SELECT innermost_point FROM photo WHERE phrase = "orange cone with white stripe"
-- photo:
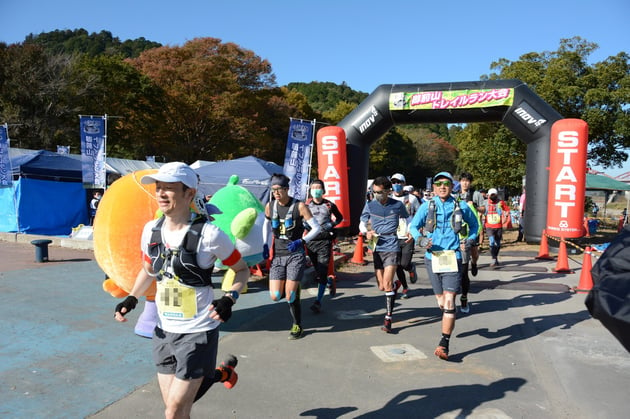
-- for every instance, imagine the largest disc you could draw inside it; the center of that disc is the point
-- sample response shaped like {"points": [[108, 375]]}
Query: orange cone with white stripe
{"points": [[586, 280], [562, 265]]}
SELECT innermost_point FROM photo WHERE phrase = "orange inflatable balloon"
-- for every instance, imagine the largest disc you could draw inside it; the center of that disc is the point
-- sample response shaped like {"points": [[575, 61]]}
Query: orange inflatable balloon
{"points": [[122, 213]]}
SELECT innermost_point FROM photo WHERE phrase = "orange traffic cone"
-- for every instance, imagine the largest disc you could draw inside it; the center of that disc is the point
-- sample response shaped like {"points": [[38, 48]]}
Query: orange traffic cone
{"points": [[586, 280], [562, 265], [543, 253], [357, 258], [587, 233]]}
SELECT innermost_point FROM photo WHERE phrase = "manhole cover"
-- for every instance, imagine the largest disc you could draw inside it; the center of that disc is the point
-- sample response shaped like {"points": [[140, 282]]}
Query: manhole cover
{"points": [[397, 353]]}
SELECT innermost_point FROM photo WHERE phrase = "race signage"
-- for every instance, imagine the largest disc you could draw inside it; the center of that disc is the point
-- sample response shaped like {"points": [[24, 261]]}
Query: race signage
{"points": [[567, 178]]}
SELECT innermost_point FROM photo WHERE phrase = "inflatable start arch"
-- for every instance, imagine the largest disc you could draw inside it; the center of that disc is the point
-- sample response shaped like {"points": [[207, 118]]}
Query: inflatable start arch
{"points": [[508, 101]]}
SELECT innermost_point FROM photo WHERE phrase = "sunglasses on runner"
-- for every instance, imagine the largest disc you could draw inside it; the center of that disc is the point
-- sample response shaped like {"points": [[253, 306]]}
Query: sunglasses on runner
{"points": [[442, 183]]}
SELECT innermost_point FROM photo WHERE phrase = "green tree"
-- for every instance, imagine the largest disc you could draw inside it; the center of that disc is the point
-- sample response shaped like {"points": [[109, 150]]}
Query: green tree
{"points": [[325, 96], [33, 95], [392, 153], [492, 154], [598, 94], [216, 94], [433, 148], [106, 84], [81, 42]]}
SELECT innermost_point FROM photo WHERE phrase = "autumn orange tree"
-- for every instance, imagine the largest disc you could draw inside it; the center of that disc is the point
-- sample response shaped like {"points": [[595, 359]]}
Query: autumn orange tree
{"points": [[220, 100]]}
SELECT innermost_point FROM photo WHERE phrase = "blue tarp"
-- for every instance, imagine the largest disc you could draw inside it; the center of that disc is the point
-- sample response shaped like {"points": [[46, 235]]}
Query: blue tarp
{"points": [[43, 207], [47, 196], [254, 175]]}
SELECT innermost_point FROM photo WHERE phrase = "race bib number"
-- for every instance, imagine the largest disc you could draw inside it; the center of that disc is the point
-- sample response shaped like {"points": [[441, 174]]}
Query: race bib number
{"points": [[494, 219], [176, 300], [443, 261]]}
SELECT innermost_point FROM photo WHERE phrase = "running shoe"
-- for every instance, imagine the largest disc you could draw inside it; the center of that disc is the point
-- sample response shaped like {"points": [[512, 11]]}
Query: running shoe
{"points": [[441, 352], [316, 307], [413, 274], [464, 306], [473, 269], [229, 377], [296, 332], [404, 295], [387, 326]]}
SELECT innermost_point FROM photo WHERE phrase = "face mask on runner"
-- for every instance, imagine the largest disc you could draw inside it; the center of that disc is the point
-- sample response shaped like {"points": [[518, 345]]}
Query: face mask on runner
{"points": [[317, 193]]}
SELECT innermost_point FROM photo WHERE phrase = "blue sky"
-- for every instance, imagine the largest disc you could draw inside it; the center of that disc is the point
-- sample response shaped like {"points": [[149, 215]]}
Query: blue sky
{"points": [[363, 43]]}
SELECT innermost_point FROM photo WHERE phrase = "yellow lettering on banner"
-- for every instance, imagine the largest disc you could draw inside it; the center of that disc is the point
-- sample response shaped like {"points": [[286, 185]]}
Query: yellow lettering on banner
{"points": [[443, 261], [175, 299]]}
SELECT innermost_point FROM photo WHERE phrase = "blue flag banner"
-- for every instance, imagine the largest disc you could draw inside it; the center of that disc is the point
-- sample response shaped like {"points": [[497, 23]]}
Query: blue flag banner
{"points": [[6, 178], [93, 151], [297, 158]]}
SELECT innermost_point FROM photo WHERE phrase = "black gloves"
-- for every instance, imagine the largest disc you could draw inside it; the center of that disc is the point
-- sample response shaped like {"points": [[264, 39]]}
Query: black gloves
{"points": [[265, 254], [128, 303], [223, 307]]}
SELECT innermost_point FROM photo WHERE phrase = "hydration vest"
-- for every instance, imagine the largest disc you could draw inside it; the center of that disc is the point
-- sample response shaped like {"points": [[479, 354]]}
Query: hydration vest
{"points": [[456, 217], [183, 259], [289, 220]]}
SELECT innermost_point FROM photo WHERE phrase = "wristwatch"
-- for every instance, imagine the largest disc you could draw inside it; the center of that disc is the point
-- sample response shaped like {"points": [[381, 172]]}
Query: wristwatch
{"points": [[233, 295]]}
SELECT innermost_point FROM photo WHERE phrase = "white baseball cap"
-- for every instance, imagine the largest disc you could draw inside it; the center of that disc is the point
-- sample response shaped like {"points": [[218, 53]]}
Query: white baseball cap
{"points": [[399, 176], [492, 191], [173, 172]]}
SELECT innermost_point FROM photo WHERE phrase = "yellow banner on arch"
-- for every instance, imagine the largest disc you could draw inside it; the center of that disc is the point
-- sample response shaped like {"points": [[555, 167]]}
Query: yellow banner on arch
{"points": [[451, 99]]}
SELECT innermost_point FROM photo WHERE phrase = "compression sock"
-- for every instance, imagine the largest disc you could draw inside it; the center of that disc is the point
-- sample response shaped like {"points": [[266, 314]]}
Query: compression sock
{"points": [[445, 340], [465, 280], [207, 382], [224, 374], [403, 281], [390, 297], [321, 289], [296, 308]]}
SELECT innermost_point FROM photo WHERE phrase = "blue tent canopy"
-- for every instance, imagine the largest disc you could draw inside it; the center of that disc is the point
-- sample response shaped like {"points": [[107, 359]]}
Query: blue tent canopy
{"points": [[47, 196], [45, 164]]}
